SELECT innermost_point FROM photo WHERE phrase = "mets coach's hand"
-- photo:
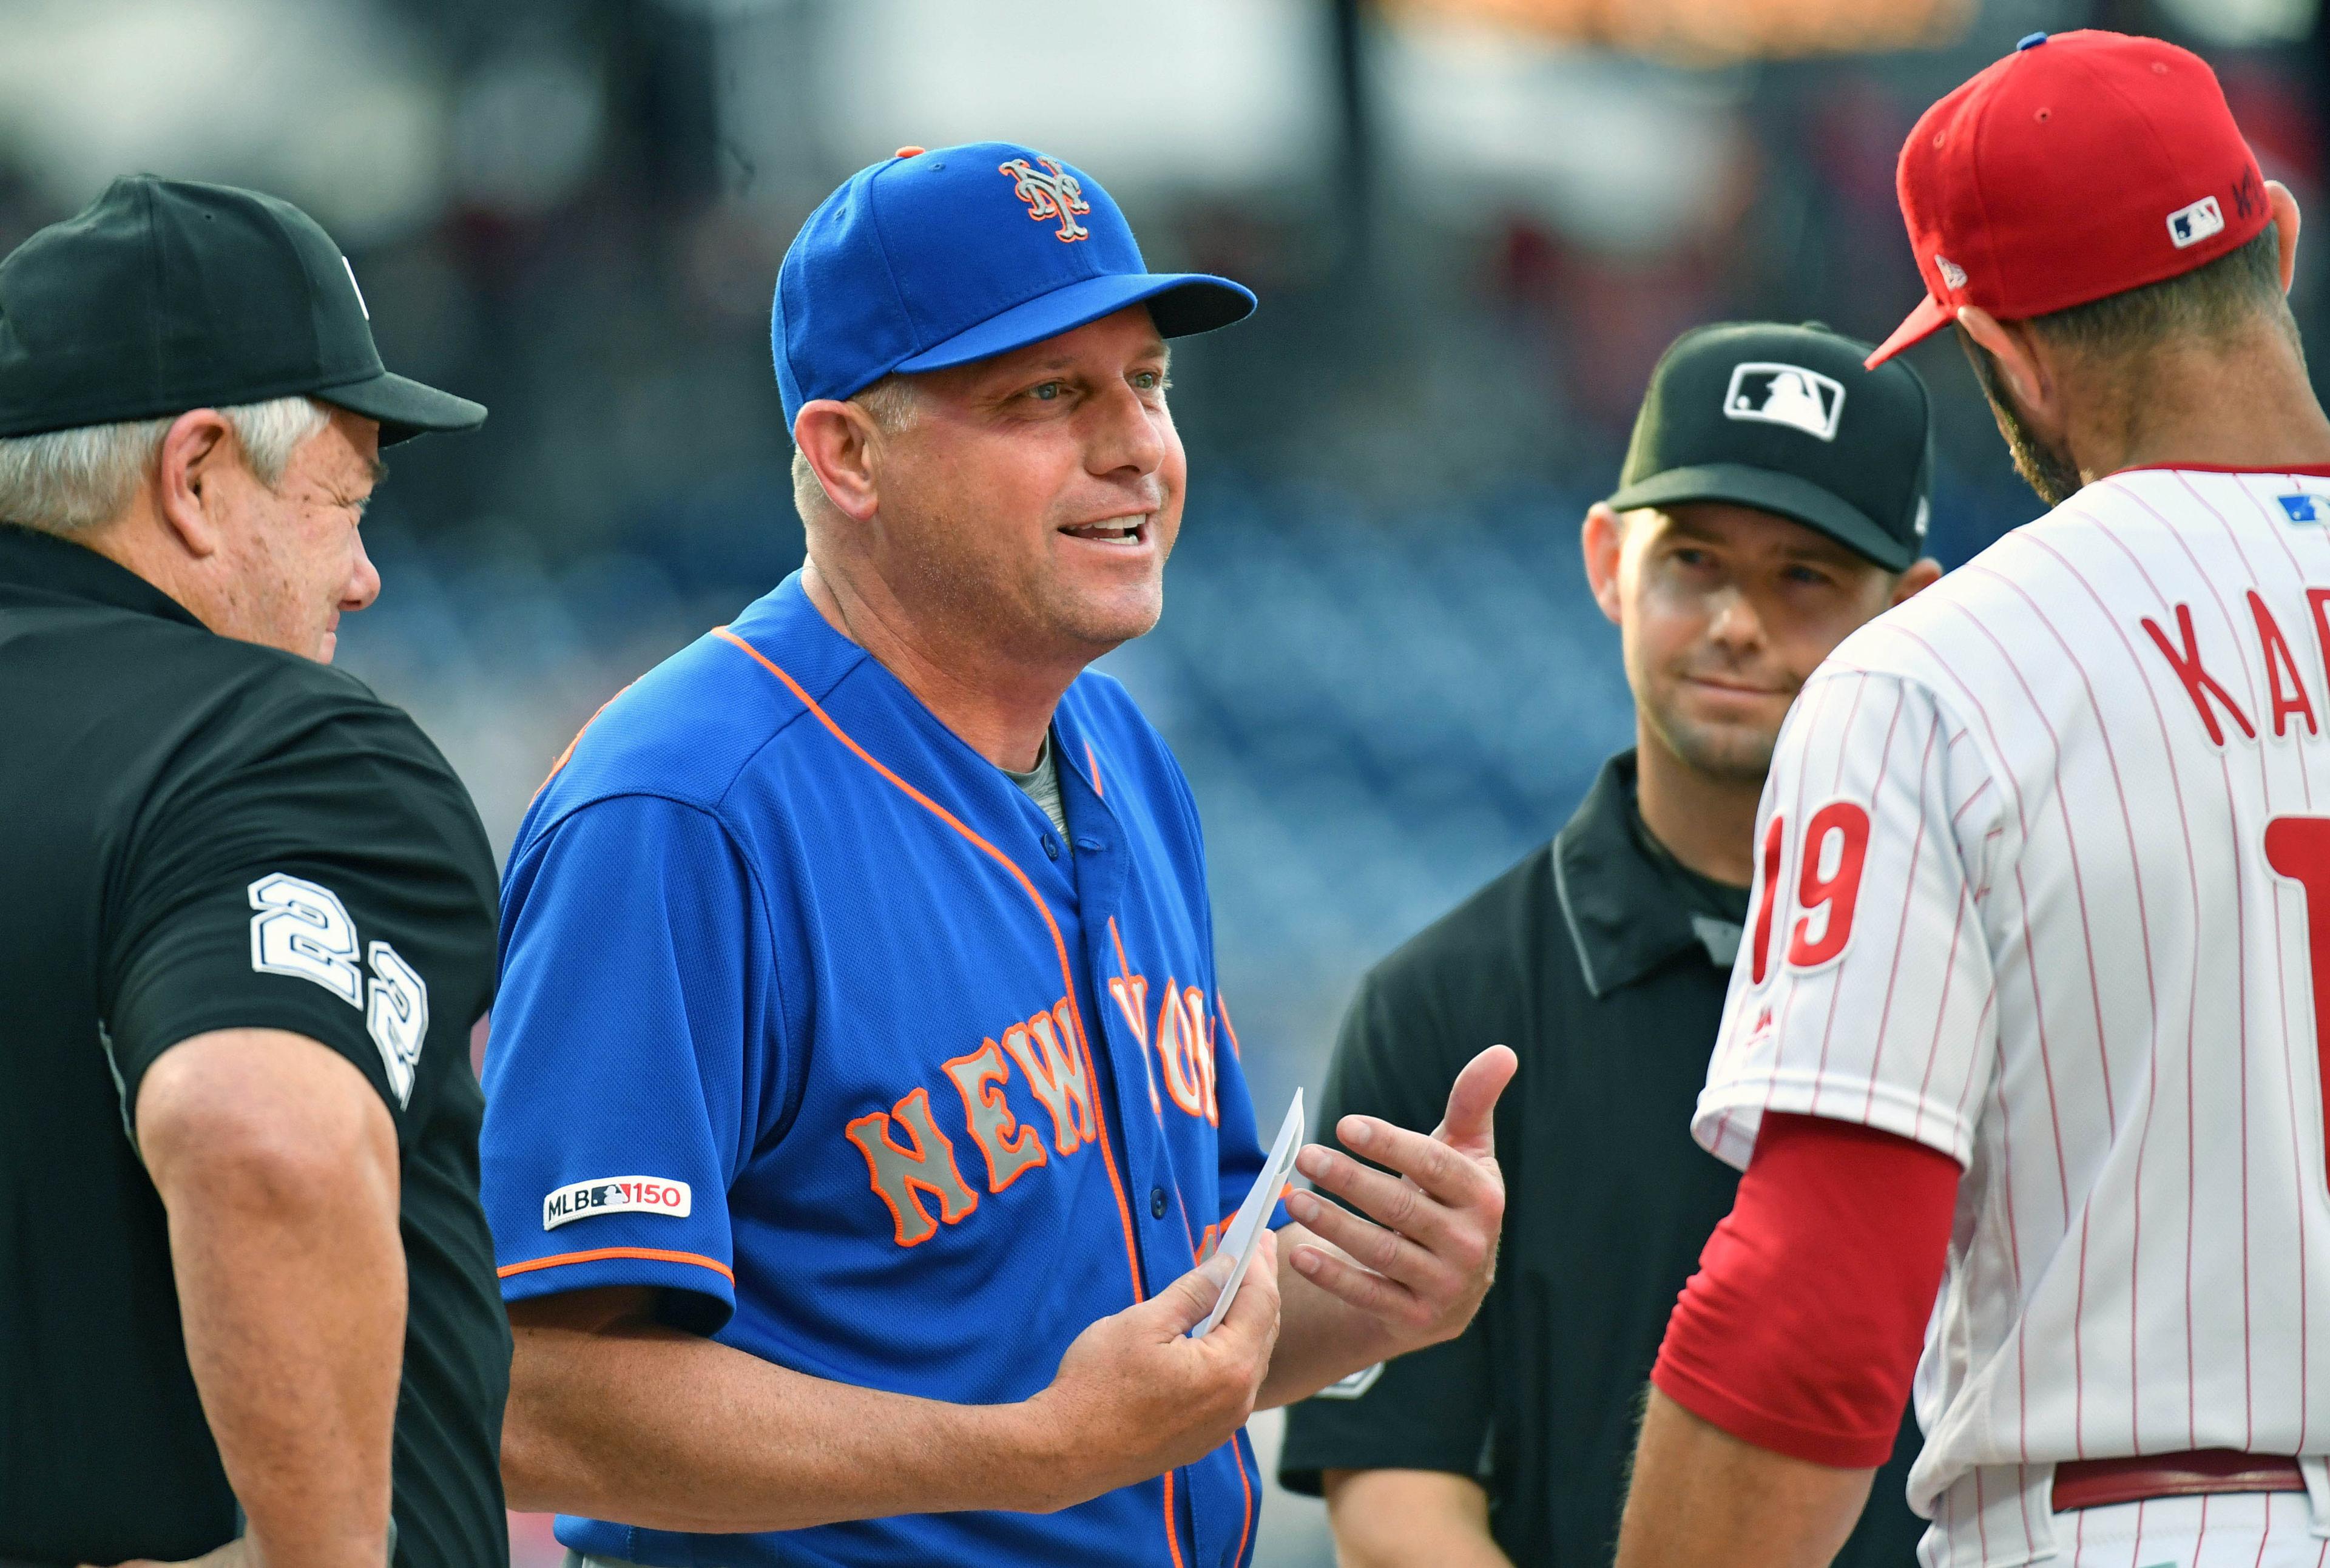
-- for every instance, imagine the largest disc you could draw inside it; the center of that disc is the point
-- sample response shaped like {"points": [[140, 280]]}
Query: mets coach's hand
{"points": [[1136, 1396], [1410, 1268]]}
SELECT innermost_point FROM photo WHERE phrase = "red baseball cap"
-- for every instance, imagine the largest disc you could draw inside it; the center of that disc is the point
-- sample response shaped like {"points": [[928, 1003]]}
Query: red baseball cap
{"points": [[2079, 165]]}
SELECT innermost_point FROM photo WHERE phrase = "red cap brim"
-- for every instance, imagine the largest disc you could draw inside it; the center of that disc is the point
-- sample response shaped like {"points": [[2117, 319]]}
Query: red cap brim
{"points": [[1930, 317]]}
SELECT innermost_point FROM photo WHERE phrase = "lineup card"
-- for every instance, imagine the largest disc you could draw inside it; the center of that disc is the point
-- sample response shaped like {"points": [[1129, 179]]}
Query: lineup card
{"points": [[1244, 1234]]}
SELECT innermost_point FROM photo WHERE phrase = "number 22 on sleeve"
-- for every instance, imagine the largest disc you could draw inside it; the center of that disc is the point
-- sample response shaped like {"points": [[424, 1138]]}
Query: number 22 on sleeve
{"points": [[1827, 891]]}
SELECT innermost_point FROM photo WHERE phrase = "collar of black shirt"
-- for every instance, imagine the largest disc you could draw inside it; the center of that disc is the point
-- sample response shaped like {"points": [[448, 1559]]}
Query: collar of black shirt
{"points": [[54, 566], [1622, 909]]}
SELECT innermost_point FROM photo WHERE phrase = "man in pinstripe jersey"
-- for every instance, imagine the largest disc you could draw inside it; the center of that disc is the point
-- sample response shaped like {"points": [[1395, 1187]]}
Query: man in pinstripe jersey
{"points": [[2033, 1008]]}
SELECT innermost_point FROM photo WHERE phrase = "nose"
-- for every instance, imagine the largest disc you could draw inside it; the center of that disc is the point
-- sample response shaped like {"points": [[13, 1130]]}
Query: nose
{"points": [[364, 580], [1124, 434], [1735, 623]]}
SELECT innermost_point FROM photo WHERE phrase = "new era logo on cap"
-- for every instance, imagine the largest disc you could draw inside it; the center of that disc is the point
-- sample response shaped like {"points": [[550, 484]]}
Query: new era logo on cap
{"points": [[1785, 395], [2190, 225]]}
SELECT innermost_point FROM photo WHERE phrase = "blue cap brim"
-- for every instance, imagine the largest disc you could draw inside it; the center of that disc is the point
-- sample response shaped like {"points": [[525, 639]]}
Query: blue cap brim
{"points": [[1180, 303]]}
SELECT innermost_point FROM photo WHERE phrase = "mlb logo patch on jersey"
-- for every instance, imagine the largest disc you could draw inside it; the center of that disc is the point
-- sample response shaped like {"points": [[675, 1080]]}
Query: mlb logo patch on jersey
{"points": [[616, 1195], [1787, 394], [2303, 508], [2190, 225]]}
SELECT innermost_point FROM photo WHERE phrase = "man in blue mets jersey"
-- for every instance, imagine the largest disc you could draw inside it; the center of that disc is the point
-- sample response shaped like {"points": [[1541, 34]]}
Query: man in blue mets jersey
{"points": [[862, 1109]]}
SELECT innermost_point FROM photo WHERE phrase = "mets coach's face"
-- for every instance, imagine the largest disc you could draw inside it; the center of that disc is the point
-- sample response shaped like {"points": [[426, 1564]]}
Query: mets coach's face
{"points": [[1039, 492]]}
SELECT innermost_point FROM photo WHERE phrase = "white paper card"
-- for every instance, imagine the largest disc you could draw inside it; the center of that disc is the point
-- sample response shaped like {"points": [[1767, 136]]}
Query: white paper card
{"points": [[1244, 1234]]}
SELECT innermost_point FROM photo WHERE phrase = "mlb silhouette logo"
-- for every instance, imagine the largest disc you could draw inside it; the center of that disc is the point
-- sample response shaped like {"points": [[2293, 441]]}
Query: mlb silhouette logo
{"points": [[2304, 508], [1787, 394], [2190, 225]]}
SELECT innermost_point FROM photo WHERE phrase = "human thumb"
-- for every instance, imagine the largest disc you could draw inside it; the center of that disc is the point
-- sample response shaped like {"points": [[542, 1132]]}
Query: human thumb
{"points": [[1183, 1305]]}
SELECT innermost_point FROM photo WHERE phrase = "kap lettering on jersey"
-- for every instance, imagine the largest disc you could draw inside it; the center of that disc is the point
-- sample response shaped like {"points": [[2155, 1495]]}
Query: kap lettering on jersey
{"points": [[2285, 688], [912, 1162]]}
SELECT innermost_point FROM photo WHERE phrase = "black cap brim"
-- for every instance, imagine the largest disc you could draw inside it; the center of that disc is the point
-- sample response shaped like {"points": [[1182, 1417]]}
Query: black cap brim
{"points": [[404, 407], [1768, 491]]}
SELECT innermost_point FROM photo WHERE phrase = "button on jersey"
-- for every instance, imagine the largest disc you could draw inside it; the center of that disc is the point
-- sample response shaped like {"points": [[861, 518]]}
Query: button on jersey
{"points": [[2043, 867]]}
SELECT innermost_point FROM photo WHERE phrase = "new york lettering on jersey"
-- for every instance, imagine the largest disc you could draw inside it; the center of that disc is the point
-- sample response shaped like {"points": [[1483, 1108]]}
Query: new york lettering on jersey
{"points": [[2044, 881], [988, 1093]]}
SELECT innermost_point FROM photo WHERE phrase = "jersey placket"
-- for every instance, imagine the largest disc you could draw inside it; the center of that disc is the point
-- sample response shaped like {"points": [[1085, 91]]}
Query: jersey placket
{"points": [[1163, 1229]]}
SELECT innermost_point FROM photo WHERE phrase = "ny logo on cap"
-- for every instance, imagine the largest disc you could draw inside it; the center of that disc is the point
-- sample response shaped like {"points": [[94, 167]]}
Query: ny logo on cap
{"points": [[1049, 192], [1785, 395], [2190, 225]]}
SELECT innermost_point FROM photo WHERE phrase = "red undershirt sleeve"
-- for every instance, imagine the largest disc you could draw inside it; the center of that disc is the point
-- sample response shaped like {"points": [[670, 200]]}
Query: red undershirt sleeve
{"points": [[1800, 1332]]}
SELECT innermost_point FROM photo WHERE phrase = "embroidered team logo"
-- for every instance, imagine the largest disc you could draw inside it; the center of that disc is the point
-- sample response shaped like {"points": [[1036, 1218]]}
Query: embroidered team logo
{"points": [[2190, 225], [1785, 395], [1051, 192]]}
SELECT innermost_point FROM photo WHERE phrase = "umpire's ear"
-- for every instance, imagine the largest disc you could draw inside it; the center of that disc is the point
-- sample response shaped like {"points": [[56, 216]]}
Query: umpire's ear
{"points": [[1603, 538]]}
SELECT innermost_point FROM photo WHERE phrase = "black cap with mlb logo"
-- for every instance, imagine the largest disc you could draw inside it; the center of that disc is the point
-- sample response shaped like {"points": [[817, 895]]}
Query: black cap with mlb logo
{"points": [[1786, 420], [163, 296]]}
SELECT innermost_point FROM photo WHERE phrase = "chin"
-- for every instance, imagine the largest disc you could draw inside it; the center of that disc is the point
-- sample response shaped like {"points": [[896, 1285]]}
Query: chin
{"points": [[1108, 622], [1723, 751]]}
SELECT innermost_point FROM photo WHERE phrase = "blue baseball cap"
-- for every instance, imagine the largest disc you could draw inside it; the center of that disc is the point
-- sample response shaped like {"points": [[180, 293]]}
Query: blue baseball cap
{"points": [[940, 258]]}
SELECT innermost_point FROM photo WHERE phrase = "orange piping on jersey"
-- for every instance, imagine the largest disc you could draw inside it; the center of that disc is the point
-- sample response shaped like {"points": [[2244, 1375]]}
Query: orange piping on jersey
{"points": [[1222, 1009], [1247, 1486], [567, 756], [652, 1254], [1092, 766], [1172, 1528], [1059, 944]]}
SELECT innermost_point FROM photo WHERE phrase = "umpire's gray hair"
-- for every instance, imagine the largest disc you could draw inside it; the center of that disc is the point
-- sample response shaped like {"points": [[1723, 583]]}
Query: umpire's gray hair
{"points": [[892, 401], [68, 481]]}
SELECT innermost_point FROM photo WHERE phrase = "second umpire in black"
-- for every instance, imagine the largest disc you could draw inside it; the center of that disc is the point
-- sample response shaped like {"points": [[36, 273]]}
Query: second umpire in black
{"points": [[247, 1299], [1774, 500]]}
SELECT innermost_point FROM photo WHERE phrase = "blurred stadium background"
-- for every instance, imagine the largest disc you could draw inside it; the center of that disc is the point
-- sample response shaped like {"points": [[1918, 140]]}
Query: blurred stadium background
{"points": [[1473, 224]]}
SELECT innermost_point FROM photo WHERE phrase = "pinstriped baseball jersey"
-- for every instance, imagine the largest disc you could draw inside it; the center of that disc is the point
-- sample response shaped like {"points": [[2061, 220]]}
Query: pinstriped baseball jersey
{"points": [[2043, 881]]}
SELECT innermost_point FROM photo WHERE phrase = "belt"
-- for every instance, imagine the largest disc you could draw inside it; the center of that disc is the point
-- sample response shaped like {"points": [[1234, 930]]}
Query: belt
{"points": [[2099, 1483]]}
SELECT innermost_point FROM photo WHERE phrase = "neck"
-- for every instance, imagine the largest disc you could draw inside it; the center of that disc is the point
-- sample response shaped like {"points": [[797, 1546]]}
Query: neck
{"points": [[999, 705], [1708, 824], [2247, 405]]}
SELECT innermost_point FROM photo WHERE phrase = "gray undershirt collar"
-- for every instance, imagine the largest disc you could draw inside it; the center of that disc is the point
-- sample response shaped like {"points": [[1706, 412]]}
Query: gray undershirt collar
{"points": [[1042, 783]]}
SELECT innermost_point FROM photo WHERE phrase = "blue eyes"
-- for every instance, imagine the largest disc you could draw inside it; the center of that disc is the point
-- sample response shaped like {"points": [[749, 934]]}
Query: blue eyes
{"points": [[1052, 391]]}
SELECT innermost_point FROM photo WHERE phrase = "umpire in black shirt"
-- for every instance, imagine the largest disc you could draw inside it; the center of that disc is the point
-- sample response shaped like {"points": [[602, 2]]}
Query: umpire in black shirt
{"points": [[246, 922], [1774, 498]]}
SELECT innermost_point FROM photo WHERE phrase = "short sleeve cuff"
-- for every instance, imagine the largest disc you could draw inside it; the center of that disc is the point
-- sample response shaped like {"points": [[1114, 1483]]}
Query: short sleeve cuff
{"points": [[293, 1007], [1304, 1463], [710, 1279], [1730, 1114]]}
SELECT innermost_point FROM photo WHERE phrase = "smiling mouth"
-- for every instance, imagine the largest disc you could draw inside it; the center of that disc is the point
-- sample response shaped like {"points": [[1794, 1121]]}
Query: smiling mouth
{"points": [[1112, 531], [1732, 687]]}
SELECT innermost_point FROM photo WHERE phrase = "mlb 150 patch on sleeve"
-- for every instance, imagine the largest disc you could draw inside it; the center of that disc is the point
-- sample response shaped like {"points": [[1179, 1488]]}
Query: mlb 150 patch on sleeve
{"points": [[615, 1195]]}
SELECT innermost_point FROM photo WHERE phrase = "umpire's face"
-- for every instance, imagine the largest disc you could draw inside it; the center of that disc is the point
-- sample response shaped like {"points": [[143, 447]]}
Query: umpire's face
{"points": [[1029, 501], [278, 564], [1724, 611]]}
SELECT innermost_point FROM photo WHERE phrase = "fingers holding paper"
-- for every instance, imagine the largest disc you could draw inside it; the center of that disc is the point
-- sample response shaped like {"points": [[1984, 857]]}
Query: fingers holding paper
{"points": [[1420, 1252]]}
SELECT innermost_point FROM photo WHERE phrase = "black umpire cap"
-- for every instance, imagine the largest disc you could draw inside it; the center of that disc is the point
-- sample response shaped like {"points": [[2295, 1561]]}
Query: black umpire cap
{"points": [[1786, 420], [167, 295]]}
